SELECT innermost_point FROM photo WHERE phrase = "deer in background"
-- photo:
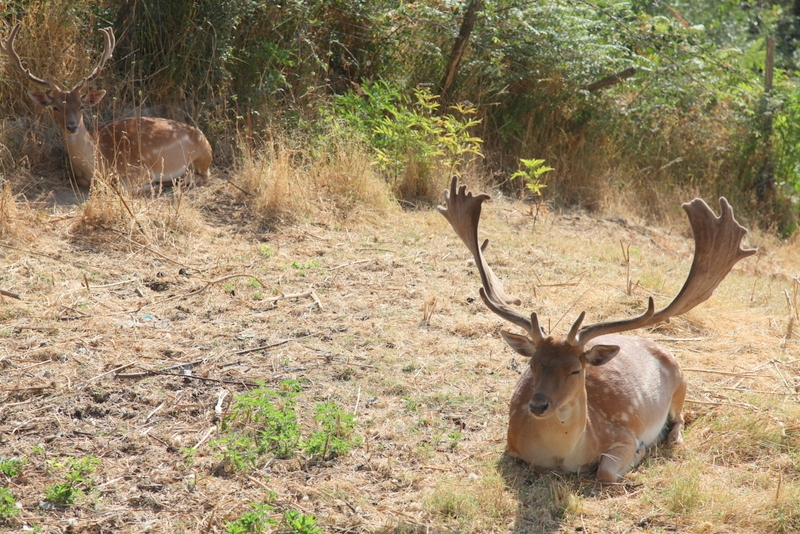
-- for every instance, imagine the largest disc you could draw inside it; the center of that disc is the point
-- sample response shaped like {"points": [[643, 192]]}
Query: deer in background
{"points": [[163, 150], [596, 399]]}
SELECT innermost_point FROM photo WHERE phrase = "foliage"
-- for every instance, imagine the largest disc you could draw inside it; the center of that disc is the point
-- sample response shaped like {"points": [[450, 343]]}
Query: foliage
{"points": [[264, 421], [335, 435], [532, 173], [298, 523], [692, 118], [253, 522], [8, 505], [413, 142], [77, 479], [273, 414], [11, 467]]}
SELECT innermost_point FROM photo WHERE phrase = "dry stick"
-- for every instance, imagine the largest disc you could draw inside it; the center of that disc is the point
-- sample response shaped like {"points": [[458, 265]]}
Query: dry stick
{"points": [[218, 280], [276, 344], [205, 437], [120, 368], [712, 403], [149, 372], [349, 264], [48, 256], [145, 247], [263, 347], [10, 294], [748, 374], [218, 407], [103, 286], [626, 255], [192, 377]]}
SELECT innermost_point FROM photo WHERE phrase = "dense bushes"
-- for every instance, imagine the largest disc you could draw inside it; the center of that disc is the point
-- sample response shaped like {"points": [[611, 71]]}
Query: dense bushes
{"points": [[694, 119]]}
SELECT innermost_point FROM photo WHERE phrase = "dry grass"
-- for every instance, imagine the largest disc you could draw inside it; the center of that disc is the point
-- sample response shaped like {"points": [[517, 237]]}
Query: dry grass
{"points": [[285, 180], [429, 383]]}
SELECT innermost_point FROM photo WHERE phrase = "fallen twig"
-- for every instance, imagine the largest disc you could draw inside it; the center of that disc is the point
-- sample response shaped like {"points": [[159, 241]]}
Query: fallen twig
{"points": [[729, 403], [206, 286], [263, 347], [349, 264], [151, 372], [205, 437], [191, 377], [218, 408], [10, 294], [746, 374]]}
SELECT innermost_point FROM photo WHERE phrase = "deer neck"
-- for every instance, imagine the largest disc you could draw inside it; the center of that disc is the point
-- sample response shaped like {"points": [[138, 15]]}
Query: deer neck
{"points": [[82, 151]]}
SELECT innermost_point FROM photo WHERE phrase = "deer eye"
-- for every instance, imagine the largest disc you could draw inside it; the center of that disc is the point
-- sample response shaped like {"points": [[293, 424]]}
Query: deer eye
{"points": [[573, 373]]}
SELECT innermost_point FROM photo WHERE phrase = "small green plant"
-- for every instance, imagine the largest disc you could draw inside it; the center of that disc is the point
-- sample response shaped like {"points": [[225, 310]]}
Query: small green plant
{"points": [[62, 493], [533, 170], [38, 450], [189, 453], [77, 479], [11, 467], [253, 522], [8, 505], [335, 436], [261, 421], [298, 523], [303, 267], [266, 251], [455, 438], [411, 404]]}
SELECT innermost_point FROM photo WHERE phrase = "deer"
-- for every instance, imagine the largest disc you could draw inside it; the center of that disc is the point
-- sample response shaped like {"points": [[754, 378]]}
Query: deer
{"points": [[596, 400], [165, 151]]}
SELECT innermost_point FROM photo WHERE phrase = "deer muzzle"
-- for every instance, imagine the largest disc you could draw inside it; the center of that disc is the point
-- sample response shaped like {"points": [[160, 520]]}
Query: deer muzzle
{"points": [[539, 405]]}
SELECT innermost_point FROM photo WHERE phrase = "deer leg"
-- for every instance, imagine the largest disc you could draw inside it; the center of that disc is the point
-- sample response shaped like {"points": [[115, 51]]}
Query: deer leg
{"points": [[676, 416], [617, 460]]}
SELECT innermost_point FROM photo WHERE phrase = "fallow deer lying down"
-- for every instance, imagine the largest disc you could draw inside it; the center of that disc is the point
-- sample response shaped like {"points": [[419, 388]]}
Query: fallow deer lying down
{"points": [[596, 399], [160, 150]]}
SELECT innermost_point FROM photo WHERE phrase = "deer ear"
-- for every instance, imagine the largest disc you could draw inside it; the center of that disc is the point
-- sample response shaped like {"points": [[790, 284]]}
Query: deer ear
{"points": [[601, 354], [521, 344], [93, 97], [43, 99]]}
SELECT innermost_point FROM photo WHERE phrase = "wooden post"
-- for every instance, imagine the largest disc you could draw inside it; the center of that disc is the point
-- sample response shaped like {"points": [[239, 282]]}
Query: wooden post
{"points": [[458, 50]]}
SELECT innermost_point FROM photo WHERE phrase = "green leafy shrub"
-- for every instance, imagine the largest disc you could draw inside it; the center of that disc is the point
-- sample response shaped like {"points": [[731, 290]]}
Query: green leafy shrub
{"points": [[8, 505], [77, 477], [298, 523], [335, 434], [253, 522], [415, 146], [11, 467]]}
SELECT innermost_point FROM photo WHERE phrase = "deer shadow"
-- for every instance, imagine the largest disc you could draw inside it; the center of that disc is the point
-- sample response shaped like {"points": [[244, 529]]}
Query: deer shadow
{"points": [[546, 499]]}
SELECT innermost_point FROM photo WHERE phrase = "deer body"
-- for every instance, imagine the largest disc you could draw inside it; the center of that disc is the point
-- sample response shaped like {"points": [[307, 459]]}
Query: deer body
{"points": [[609, 423], [160, 150], [595, 398]]}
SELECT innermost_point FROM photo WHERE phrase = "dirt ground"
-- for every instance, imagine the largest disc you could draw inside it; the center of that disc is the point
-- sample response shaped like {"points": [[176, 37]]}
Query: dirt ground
{"points": [[130, 346]]}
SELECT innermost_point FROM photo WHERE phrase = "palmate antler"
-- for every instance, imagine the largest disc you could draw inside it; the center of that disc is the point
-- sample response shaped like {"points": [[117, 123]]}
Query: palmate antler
{"points": [[717, 249], [108, 50]]}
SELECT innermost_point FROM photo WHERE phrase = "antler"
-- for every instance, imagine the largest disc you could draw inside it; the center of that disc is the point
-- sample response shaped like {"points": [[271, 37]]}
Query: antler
{"points": [[108, 51], [8, 46], [717, 249], [463, 211]]}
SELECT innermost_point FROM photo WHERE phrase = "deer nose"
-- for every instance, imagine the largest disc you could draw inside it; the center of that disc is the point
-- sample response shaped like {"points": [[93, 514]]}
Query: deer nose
{"points": [[539, 404], [72, 127]]}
